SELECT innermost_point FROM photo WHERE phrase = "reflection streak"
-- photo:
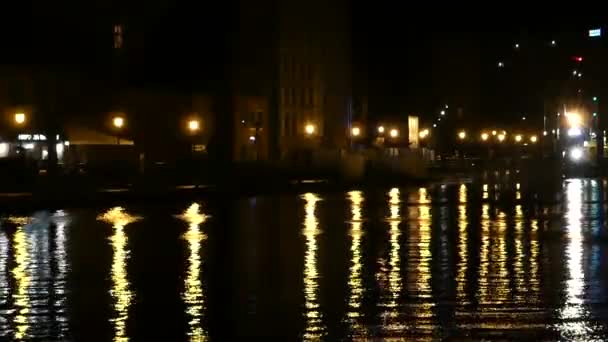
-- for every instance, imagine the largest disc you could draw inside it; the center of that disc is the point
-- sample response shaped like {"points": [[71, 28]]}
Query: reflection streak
{"points": [[462, 241], [120, 291], [573, 312], [314, 321], [355, 282], [193, 294]]}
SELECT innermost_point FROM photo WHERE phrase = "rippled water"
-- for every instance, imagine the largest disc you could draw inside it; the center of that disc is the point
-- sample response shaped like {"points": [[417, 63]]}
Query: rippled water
{"points": [[465, 261]]}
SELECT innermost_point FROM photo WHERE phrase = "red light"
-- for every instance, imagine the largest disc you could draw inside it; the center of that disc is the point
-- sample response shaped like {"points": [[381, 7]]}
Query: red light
{"points": [[578, 58]]}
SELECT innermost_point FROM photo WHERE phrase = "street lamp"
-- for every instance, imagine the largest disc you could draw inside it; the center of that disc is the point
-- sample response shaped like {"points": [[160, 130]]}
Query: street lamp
{"points": [[194, 125], [462, 135], [394, 133], [309, 129], [484, 136], [355, 131], [118, 121], [380, 129], [501, 137], [493, 132], [19, 118], [533, 139], [518, 138]]}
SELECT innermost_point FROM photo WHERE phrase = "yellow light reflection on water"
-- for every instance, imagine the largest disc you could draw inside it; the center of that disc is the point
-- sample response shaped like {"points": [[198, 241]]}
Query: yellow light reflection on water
{"points": [[484, 254], [315, 328], [500, 271], [120, 291], [193, 295], [463, 223], [573, 313], [355, 282], [518, 266], [421, 259], [394, 277], [22, 277]]}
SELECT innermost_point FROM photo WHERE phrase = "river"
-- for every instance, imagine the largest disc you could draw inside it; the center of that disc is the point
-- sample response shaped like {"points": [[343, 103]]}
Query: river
{"points": [[461, 260]]}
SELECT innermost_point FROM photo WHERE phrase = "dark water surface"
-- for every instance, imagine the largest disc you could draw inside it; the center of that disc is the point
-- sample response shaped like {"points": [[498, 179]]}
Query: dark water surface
{"points": [[464, 261]]}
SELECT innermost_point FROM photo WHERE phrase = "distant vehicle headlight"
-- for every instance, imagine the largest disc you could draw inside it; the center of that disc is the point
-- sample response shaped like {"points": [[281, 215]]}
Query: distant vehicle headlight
{"points": [[576, 153]]}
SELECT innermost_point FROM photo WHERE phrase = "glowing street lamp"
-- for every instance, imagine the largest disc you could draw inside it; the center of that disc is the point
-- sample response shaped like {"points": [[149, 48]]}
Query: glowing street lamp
{"points": [[462, 135], [501, 137], [494, 133], [194, 125], [355, 131], [118, 121], [424, 133], [574, 119], [380, 129], [533, 139], [484, 136], [310, 129], [394, 133], [19, 118], [518, 138]]}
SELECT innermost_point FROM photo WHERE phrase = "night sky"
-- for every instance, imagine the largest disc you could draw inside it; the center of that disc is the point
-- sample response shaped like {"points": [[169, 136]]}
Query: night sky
{"points": [[408, 60]]}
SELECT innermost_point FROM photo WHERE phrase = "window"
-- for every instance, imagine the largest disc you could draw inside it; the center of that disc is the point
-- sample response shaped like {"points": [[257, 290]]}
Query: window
{"points": [[118, 36]]}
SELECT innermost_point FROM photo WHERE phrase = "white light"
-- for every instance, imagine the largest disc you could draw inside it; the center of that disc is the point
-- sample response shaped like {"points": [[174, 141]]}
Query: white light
{"points": [[252, 138], [434, 125], [517, 45], [574, 132], [59, 149], [446, 106], [394, 133], [553, 42], [501, 64], [24, 137], [45, 154], [356, 131], [595, 32], [380, 129], [552, 131], [580, 74], [66, 143], [523, 118], [4, 150], [576, 153], [443, 112], [574, 72], [29, 146]]}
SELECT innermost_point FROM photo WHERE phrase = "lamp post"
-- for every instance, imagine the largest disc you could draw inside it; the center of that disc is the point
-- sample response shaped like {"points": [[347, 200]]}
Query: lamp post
{"points": [[118, 122]]}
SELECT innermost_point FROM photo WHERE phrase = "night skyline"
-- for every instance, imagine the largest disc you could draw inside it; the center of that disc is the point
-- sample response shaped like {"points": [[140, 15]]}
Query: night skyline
{"points": [[404, 63]]}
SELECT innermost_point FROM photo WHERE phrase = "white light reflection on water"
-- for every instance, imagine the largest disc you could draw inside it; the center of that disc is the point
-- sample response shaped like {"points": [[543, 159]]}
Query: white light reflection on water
{"points": [[193, 295], [62, 265], [573, 314], [315, 328], [355, 281], [121, 292]]}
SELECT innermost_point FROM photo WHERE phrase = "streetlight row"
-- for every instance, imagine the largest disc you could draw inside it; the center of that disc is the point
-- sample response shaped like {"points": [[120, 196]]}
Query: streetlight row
{"points": [[485, 136]]}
